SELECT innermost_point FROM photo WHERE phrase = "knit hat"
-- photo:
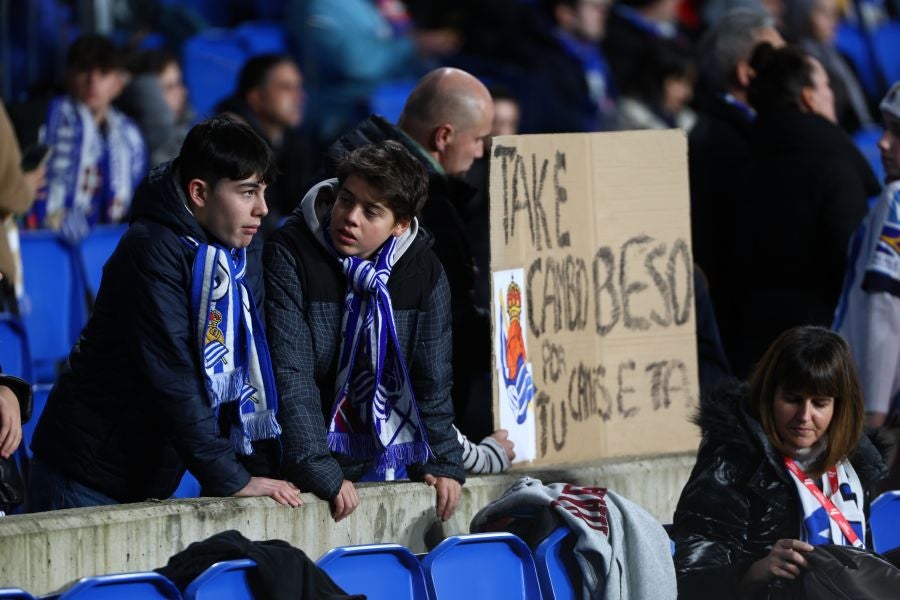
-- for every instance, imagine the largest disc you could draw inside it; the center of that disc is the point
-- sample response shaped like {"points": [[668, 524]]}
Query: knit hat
{"points": [[891, 103]]}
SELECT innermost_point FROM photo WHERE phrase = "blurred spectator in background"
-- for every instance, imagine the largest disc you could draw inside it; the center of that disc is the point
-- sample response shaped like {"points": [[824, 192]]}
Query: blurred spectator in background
{"points": [[270, 99], [157, 100], [576, 80], [347, 48], [98, 154], [17, 191], [811, 24], [868, 315], [806, 192], [632, 25], [719, 144], [659, 95]]}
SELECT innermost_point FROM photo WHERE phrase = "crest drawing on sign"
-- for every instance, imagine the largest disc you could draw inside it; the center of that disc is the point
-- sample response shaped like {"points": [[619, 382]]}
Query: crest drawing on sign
{"points": [[515, 381]]}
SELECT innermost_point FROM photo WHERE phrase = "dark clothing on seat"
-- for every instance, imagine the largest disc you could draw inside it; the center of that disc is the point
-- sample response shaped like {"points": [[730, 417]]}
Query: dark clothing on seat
{"points": [[807, 191], [447, 199], [740, 499], [305, 293], [282, 571], [130, 409]]}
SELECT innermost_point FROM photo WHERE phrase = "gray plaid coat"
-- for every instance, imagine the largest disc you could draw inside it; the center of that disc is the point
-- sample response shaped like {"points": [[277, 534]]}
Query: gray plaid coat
{"points": [[305, 291]]}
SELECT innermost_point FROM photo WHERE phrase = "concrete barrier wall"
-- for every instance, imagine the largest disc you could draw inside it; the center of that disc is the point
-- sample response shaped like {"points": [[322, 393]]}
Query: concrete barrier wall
{"points": [[44, 552]]}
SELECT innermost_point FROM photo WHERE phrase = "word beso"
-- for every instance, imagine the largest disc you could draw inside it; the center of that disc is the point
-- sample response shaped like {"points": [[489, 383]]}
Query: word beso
{"points": [[648, 282]]}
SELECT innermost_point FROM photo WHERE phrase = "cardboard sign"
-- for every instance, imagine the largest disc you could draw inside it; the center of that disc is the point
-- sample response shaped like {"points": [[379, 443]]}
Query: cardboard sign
{"points": [[600, 226]]}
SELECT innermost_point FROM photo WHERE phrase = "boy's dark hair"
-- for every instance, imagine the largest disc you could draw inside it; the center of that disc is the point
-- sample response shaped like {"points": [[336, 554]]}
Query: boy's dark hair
{"points": [[256, 70], [780, 76], [660, 60], [93, 51], [394, 173], [224, 148]]}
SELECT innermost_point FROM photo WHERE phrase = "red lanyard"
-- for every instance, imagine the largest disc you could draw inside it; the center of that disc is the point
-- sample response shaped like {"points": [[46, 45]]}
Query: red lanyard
{"points": [[826, 503]]}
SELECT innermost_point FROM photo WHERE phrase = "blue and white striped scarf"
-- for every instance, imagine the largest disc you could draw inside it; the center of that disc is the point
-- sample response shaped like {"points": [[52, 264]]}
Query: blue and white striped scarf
{"points": [[232, 344], [375, 413]]}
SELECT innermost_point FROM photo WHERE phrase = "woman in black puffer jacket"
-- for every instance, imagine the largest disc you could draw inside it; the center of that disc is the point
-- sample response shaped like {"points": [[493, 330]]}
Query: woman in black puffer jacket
{"points": [[744, 519]]}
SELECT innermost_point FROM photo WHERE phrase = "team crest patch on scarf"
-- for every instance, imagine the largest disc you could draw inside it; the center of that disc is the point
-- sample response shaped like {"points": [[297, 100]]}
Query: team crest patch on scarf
{"points": [[233, 349], [375, 413]]}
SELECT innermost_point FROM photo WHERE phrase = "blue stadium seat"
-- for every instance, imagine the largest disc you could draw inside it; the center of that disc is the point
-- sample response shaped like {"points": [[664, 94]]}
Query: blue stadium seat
{"points": [[851, 41], [15, 357], [556, 567], [380, 571], [885, 521], [389, 98], [866, 140], [15, 594], [54, 309], [40, 393], [887, 50], [95, 250], [134, 586], [482, 566], [188, 488], [212, 61], [262, 37], [226, 580]]}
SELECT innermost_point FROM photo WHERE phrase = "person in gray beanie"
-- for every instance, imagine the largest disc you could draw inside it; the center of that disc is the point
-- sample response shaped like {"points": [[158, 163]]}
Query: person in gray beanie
{"points": [[868, 315]]}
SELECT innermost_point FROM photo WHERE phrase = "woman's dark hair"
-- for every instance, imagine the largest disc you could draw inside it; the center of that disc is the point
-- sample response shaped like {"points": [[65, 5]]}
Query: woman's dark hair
{"points": [[394, 173], [780, 74], [224, 148], [811, 361]]}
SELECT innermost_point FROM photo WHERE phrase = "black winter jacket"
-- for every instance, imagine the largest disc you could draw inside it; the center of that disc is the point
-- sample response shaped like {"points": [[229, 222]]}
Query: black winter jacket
{"points": [[130, 410], [740, 500], [442, 215], [305, 291], [807, 192]]}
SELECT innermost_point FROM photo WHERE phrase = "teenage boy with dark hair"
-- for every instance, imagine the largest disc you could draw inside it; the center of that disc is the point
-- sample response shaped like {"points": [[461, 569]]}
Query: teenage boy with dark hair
{"points": [[358, 314], [98, 155], [172, 369]]}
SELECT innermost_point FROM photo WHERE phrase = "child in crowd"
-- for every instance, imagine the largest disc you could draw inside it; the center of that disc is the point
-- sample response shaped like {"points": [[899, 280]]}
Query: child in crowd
{"points": [[358, 311], [98, 155]]}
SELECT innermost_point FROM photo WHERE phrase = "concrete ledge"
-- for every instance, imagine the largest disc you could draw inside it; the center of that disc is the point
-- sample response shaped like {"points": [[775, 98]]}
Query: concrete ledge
{"points": [[43, 552]]}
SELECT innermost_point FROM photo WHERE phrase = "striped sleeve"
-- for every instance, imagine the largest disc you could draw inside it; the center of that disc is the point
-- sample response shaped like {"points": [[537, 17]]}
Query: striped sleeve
{"points": [[486, 457]]}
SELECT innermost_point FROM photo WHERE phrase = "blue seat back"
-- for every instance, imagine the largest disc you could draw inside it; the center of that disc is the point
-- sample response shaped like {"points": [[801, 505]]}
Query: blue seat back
{"points": [[134, 586], [380, 571], [15, 594], [389, 98], [262, 37], [212, 61], [557, 571], [226, 580], [95, 250], [40, 394], [887, 50], [15, 357], [885, 521], [188, 488], [54, 310], [851, 41], [481, 566]]}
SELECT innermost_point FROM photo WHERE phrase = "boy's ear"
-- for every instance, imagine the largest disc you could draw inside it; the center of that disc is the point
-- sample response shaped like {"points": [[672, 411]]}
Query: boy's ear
{"points": [[197, 192], [401, 226]]}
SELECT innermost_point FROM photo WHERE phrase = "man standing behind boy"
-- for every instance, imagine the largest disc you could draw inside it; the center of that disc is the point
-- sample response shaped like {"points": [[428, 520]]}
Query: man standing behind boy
{"points": [[358, 314], [172, 369]]}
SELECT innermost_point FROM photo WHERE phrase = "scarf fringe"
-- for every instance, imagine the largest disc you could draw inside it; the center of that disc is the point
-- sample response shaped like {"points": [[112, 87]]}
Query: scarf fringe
{"points": [[240, 442], [399, 455], [226, 387], [261, 425], [359, 445]]}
